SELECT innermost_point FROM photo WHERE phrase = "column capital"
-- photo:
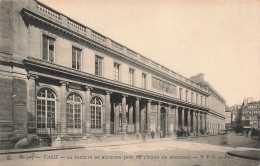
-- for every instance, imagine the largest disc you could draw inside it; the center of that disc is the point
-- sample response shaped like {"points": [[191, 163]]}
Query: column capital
{"points": [[32, 76], [108, 92], [124, 95], [88, 88], [64, 83], [138, 98]]}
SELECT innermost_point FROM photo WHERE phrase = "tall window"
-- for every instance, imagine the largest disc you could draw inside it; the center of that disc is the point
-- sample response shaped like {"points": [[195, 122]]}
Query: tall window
{"points": [[48, 48], [180, 90], [197, 96], [98, 65], [73, 113], [191, 97], [116, 71], [186, 95], [144, 81], [201, 100], [205, 101], [46, 102], [96, 108], [131, 76], [76, 58]]}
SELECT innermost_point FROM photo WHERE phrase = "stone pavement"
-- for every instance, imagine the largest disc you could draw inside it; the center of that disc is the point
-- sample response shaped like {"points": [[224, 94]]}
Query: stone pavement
{"points": [[242, 152], [80, 144]]}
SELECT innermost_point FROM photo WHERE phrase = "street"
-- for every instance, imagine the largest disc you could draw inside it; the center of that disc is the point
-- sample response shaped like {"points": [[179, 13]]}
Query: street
{"points": [[160, 152]]}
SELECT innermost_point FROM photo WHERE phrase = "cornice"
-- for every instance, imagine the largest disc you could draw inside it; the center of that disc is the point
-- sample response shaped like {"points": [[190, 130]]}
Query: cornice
{"points": [[37, 66], [32, 16]]}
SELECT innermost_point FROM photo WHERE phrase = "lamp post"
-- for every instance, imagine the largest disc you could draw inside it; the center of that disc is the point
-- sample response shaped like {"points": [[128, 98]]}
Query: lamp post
{"points": [[258, 120]]}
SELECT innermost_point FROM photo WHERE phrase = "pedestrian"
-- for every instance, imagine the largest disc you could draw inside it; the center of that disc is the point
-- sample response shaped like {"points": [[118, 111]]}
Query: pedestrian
{"points": [[152, 134]]}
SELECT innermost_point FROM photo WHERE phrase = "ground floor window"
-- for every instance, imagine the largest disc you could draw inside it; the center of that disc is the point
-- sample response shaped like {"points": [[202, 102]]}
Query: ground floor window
{"points": [[46, 105], [96, 110], [73, 111]]}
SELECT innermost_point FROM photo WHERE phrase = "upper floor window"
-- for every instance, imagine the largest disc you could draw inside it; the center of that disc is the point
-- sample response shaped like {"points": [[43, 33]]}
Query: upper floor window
{"points": [[186, 95], [180, 90], [205, 101], [131, 76], [144, 80], [197, 96], [191, 97], [76, 58], [116, 71], [48, 48], [201, 100], [98, 65]]}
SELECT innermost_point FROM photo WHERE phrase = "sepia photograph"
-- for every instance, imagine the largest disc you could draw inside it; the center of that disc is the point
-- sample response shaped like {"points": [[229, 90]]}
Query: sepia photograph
{"points": [[130, 82]]}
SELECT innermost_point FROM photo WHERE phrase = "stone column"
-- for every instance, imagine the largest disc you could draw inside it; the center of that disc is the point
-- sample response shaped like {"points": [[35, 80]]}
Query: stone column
{"points": [[62, 110], [124, 123], [149, 116], [88, 110], [116, 120], [182, 118], [31, 103], [108, 112], [194, 121], [169, 120], [206, 123], [199, 122], [188, 119], [202, 121], [137, 118], [176, 119], [142, 118], [131, 109], [158, 118]]}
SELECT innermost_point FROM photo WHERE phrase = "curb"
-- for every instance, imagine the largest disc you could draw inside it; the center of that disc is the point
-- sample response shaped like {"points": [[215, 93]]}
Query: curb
{"points": [[243, 156]]}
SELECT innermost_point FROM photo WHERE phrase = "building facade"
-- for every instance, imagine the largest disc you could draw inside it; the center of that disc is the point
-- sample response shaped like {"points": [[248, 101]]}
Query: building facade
{"points": [[61, 75], [250, 111]]}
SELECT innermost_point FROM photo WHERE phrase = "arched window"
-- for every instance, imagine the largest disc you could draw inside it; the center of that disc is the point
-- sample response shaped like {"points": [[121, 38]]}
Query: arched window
{"points": [[46, 104], [73, 114], [96, 108]]}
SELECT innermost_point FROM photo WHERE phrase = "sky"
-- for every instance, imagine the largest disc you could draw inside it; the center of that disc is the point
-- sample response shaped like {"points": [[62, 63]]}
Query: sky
{"points": [[218, 38]]}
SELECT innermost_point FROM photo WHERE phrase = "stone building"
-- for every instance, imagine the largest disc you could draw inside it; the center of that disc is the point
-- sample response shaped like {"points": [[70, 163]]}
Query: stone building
{"points": [[250, 111], [61, 75]]}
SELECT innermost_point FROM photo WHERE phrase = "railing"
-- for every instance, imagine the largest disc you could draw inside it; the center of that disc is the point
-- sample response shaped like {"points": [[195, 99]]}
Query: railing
{"points": [[56, 15], [117, 46], [98, 36], [46, 10], [76, 25]]}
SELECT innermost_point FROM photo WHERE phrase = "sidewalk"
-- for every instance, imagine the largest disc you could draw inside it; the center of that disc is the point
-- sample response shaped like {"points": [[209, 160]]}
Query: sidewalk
{"points": [[248, 154], [81, 144]]}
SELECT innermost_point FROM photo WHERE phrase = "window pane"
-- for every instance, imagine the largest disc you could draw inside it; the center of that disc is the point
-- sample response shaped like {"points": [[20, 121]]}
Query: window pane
{"points": [[45, 48], [73, 58], [78, 59], [51, 50]]}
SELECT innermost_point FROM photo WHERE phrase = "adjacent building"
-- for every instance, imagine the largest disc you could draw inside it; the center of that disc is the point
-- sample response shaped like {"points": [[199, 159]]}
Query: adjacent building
{"points": [[61, 76], [250, 111]]}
